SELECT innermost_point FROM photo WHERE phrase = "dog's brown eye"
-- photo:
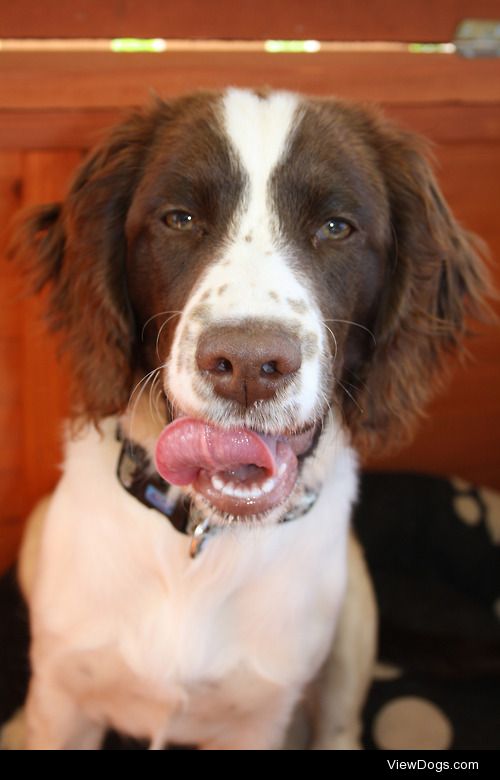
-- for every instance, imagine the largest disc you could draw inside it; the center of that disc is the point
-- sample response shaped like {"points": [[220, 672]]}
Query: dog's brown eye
{"points": [[333, 230], [179, 220]]}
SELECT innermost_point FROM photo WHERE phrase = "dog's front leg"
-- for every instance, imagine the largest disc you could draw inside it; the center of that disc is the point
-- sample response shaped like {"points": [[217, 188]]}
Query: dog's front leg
{"points": [[262, 729], [339, 693], [13, 732], [54, 721]]}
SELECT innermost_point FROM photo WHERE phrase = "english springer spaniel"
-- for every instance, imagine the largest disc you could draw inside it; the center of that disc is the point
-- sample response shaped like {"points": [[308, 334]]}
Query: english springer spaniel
{"points": [[252, 287]]}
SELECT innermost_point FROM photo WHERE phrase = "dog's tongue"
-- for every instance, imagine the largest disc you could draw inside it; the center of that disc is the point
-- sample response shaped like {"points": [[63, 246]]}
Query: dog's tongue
{"points": [[238, 471], [186, 446]]}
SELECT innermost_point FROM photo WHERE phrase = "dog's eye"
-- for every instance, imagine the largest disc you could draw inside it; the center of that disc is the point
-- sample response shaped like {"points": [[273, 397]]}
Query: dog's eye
{"points": [[333, 230], [179, 220]]}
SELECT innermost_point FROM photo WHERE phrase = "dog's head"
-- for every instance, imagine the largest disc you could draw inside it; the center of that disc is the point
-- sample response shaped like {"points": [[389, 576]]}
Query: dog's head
{"points": [[272, 263]]}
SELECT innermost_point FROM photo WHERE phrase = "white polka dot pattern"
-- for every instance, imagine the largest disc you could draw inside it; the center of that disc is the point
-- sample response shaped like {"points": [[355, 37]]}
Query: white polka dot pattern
{"points": [[467, 509], [412, 723]]}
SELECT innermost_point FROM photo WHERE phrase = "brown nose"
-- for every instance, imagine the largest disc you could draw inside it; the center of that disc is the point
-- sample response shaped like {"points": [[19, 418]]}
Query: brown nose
{"points": [[248, 363]]}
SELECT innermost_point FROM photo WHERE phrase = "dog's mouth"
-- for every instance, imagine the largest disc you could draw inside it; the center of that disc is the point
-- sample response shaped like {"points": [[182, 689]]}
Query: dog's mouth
{"points": [[239, 472]]}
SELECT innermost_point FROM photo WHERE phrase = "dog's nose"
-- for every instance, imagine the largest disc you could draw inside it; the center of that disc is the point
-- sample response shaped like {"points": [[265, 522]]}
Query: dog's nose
{"points": [[248, 363]]}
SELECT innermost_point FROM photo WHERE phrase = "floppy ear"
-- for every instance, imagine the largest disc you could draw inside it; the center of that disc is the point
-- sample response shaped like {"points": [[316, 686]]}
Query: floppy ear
{"points": [[79, 249], [436, 278]]}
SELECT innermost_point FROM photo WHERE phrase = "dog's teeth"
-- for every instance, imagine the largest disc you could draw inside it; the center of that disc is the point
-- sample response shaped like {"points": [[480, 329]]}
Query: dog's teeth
{"points": [[217, 483], [238, 491], [228, 489], [268, 485]]}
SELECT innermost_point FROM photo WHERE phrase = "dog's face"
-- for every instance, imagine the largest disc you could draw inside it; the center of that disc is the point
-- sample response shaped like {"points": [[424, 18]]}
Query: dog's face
{"points": [[277, 241], [274, 264]]}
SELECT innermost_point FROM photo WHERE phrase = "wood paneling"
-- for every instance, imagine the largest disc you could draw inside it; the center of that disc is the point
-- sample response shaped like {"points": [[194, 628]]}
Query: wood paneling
{"points": [[46, 176], [12, 503], [416, 20], [81, 128], [101, 80], [32, 387], [63, 101]]}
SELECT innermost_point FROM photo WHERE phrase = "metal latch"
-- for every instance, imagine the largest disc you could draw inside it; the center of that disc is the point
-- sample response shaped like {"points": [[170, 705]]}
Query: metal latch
{"points": [[478, 38]]}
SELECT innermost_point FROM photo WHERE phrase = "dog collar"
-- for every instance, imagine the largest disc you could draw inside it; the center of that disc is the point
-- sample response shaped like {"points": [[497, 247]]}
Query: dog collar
{"points": [[138, 477]]}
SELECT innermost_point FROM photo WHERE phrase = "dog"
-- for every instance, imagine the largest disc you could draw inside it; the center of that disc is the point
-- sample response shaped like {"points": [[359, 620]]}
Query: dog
{"points": [[254, 288]]}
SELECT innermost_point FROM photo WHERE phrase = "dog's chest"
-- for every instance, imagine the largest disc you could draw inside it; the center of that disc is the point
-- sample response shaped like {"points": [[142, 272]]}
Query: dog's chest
{"points": [[171, 707], [182, 656]]}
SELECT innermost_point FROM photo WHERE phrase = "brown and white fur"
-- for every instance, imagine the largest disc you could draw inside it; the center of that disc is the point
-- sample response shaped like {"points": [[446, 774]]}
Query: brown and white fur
{"points": [[317, 221]]}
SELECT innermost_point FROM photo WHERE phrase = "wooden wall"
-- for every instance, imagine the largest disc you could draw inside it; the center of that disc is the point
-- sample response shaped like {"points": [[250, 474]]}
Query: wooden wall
{"points": [[53, 106], [340, 20]]}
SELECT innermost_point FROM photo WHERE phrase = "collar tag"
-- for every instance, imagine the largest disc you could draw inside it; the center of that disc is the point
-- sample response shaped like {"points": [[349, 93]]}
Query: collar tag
{"points": [[199, 537]]}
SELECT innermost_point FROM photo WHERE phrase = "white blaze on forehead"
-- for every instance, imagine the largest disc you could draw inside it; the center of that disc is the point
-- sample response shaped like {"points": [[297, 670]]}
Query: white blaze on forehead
{"points": [[259, 129]]}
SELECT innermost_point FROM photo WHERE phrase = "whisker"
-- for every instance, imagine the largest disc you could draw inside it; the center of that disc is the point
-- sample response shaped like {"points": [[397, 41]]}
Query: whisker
{"points": [[133, 403], [160, 314], [354, 387], [137, 400], [329, 412], [158, 416], [174, 314], [361, 385], [350, 395], [171, 412], [357, 325], [152, 388], [334, 339], [139, 383], [331, 420]]}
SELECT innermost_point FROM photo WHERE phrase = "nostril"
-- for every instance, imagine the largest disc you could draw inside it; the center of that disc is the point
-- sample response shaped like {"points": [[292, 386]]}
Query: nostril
{"points": [[223, 366], [269, 368]]}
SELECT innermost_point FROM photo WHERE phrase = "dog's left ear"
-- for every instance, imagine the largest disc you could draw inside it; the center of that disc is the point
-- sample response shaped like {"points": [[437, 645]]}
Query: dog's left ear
{"points": [[436, 278], [78, 250]]}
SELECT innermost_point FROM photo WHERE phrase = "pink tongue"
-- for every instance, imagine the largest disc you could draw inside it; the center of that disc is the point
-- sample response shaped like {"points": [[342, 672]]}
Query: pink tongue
{"points": [[187, 445]]}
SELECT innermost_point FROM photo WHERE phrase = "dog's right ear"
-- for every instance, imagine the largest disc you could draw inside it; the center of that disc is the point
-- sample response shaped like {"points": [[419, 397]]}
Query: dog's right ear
{"points": [[37, 242], [437, 281], [78, 250]]}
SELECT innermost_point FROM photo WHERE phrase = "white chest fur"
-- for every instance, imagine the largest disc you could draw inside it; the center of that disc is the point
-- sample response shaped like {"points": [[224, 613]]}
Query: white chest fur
{"points": [[170, 648]]}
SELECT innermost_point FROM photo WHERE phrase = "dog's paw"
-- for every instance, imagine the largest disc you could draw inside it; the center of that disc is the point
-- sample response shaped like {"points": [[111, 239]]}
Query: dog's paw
{"points": [[341, 741], [13, 733]]}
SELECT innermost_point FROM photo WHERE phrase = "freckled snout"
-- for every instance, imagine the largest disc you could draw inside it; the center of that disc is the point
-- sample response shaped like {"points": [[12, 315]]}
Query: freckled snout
{"points": [[249, 362]]}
